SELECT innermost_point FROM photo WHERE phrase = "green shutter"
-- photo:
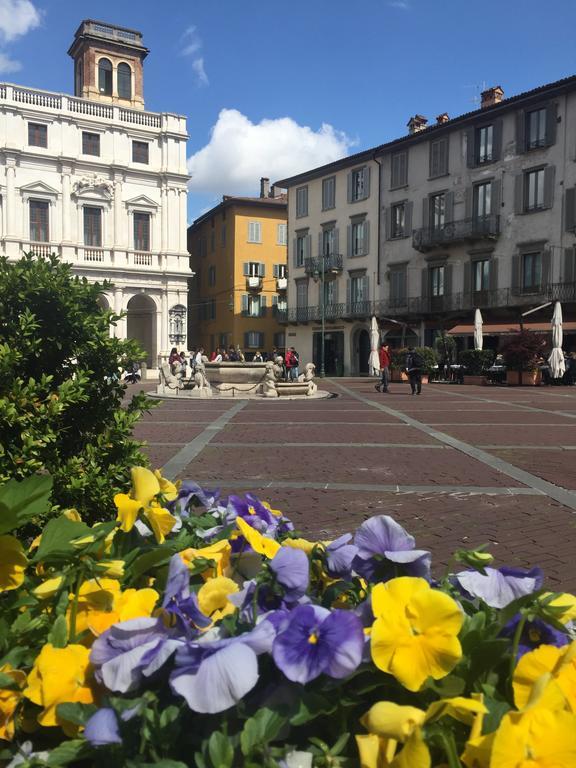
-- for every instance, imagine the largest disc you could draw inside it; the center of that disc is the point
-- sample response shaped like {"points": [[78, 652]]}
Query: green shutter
{"points": [[366, 249], [336, 241], [470, 147], [349, 241], [295, 251], [496, 197], [262, 269], [549, 176], [497, 139], [569, 264], [244, 302], [349, 186], [246, 268], [570, 209]]}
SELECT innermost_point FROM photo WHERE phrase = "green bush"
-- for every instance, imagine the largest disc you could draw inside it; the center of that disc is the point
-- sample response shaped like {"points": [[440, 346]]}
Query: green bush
{"points": [[60, 391], [476, 361], [522, 349], [445, 347], [398, 359], [429, 357]]}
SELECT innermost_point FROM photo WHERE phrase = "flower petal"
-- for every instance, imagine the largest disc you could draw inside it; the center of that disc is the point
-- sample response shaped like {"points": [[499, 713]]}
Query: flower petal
{"points": [[128, 510], [145, 485], [102, 728]]}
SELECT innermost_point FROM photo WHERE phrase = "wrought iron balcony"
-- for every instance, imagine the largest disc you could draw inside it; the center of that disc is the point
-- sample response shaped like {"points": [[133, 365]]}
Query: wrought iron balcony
{"points": [[331, 264], [476, 228]]}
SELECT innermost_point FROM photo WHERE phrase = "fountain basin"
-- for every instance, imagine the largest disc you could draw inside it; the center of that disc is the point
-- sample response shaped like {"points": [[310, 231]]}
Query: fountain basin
{"points": [[229, 378]]}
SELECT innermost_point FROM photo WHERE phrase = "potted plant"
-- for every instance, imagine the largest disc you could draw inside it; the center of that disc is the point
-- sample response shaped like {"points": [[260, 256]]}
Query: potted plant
{"points": [[430, 361], [521, 352], [475, 362], [398, 363]]}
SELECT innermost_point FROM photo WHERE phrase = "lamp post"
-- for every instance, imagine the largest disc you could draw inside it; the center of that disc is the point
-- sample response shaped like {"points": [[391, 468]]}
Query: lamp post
{"points": [[320, 275]]}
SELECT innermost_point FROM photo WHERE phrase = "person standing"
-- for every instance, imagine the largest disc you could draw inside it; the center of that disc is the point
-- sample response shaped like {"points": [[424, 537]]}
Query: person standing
{"points": [[414, 365], [199, 355], [384, 356]]}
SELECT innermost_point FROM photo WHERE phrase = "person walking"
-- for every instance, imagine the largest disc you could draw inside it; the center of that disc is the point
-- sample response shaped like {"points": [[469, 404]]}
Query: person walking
{"points": [[414, 366], [384, 356], [292, 361]]}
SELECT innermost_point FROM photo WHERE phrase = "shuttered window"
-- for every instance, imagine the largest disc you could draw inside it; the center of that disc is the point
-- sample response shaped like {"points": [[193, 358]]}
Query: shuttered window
{"points": [[438, 157], [481, 275], [39, 230], [91, 144], [534, 190], [531, 272], [301, 294], [37, 135], [399, 170], [282, 234], [398, 286], [358, 238], [302, 202], [300, 248], [92, 227], [140, 152], [124, 74], [141, 231], [254, 232], [398, 224], [485, 144], [254, 340], [328, 193], [536, 128], [105, 77], [437, 211], [359, 184], [482, 200], [437, 281], [212, 276]]}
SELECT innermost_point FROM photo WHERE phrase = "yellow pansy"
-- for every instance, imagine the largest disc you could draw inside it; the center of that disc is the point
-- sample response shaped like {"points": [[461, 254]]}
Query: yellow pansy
{"points": [[145, 487], [275, 512], [564, 602], [219, 553], [101, 603], [167, 488], [213, 597], [538, 738], [9, 700], [59, 675], [303, 544], [260, 544], [114, 569], [12, 563], [72, 514], [415, 635], [375, 751], [48, 588], [559, 664]]}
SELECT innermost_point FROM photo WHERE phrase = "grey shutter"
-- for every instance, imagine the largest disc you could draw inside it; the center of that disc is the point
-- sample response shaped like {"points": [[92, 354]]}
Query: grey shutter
{"points": [[443, 160], [448, 280], [425, 212], [549, 175], [244, 302], [433, 159], [262, 306], [388, 223], [546, 266], [295, 251], [366, 238], [320, 243], [520, 132], [404, 168], [262, 269], [366, 181], [335, 291], [275, 270], [468, 277], [425, 282], [497, 139], [449, 207], [336, 241], [246, 269], [408, 206], [493, 277], [348, 294], [470, 147], [551, 121], [569, 265], [308, 248], [468, 198], [515, 274], [349, 241], [519, 193], [366, 281], [349, 186], [570, 209], [496, 197]]}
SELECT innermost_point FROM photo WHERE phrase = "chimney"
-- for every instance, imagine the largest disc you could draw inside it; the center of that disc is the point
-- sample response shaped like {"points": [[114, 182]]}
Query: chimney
{"points": [[491, 96], [264, 187], [443, 118], [417, 123]]}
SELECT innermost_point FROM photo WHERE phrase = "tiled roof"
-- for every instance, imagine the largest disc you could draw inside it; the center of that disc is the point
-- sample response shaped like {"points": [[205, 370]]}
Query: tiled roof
{"points": [[281, 201]]}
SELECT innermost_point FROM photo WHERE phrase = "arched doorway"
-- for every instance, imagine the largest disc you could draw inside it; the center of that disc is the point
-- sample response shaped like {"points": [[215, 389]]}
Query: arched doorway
{"points": [[103, 302], [141, 325], [361, 352]]}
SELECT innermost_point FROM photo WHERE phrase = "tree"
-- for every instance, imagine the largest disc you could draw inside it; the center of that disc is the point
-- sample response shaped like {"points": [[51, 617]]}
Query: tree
{"points": [[61, 396]]}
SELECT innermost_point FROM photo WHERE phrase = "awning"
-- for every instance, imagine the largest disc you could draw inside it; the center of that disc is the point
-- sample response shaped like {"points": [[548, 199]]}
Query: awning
{"points": [[501, 329]]}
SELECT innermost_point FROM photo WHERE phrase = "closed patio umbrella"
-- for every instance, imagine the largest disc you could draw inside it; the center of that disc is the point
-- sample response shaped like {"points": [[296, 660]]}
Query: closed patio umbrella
{"points": [[556, 359], [374, 359], [478, 341]]}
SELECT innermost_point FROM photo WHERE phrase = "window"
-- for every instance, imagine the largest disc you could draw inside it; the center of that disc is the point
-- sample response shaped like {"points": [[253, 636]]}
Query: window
{"points": [[39, 232], [91, 144], [438, 211], [254, 340], [279, 340], [300, 250], [531, 272], [329, 292], [254, 232], [358, 238], [437, 281], [93, 227], [302, 202], [438, 157], [124, 74], [140, 152], [105, 77], [359, 184], [482, 200], [536, 129], [327, 241], [358, 289], [398, 223], [212, 276], [282, 234], [141, 231], [280, 271], [399, 170], [301, 293], [37, 135], [328, 193], [484, 144], [534, 190], [398, 286], [480, 275], [253, 306], [254, 269], [279, 305]]}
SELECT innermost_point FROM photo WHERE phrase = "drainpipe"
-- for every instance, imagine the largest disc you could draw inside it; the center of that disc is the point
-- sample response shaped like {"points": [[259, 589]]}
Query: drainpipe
{"points": [[379, 215]]}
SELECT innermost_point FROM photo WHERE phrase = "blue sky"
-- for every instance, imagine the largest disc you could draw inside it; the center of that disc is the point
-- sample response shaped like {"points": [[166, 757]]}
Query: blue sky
{"points": [[259, 79]]}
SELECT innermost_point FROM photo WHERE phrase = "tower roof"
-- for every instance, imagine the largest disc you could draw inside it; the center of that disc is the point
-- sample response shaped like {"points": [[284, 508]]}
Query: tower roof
{"points": [[90, 29]]}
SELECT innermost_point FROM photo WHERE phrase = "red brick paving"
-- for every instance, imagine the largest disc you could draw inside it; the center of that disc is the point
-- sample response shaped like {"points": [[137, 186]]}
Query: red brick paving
{"points": [[321, 433]]}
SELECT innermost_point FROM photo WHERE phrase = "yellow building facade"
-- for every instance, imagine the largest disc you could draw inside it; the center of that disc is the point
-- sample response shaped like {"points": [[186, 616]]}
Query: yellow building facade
{"points": [[238, 254]]}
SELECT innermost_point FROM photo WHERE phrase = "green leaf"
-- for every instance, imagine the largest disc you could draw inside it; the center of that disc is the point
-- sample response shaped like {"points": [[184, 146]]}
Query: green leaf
{"points": [[220, 750], [7, 682], [447, 687], [58, 635], [260, 729], [310, 706], [69, 752], [151, 559], [78, 714], [22, 500], [340, 744], [57, 536]]}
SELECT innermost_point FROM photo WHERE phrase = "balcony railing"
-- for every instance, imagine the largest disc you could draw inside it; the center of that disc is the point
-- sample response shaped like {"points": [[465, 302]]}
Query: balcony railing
{"points": [[476, 228], [330, 264], [415, 307]]}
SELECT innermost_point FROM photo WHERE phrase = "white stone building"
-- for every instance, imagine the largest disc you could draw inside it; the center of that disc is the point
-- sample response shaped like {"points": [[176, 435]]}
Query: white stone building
{"points": [[102, 183]]}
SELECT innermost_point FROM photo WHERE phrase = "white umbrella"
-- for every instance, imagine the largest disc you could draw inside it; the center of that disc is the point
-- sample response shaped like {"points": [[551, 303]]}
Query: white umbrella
{"points": [[478, 329], [374, 359], [556, 359]]}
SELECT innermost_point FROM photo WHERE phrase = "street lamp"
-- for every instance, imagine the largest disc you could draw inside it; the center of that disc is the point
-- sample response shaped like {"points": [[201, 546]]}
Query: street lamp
{"points": [[319, 274]]}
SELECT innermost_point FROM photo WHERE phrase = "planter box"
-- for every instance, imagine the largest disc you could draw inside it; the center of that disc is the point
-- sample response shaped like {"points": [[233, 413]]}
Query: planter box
{"points": [[479, 381], [399, 376], [529, 378]]}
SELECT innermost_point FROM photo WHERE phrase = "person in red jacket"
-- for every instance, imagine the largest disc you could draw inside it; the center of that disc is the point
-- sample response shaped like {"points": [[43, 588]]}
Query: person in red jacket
{"points": [[384, 355]]}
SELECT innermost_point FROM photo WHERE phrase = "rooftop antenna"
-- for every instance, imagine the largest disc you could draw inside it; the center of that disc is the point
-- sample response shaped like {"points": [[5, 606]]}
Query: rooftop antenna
{"points": [[478, 88]]}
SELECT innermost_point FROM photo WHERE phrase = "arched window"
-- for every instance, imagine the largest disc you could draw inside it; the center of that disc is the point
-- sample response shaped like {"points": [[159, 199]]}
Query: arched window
{"points": [[105, 77], [124, 81]]}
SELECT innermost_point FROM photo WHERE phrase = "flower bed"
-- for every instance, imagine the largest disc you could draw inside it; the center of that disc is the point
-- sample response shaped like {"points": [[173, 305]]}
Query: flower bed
{"points": [[197, 631]]}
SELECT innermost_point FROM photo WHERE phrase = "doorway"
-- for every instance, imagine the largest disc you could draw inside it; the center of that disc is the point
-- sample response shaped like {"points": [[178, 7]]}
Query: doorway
{"points": [[141, 325], [362, 352], [333, 352]]}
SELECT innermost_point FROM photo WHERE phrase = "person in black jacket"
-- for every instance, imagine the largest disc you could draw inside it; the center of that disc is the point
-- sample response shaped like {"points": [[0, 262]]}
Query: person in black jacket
{"points": [[414, 366]]}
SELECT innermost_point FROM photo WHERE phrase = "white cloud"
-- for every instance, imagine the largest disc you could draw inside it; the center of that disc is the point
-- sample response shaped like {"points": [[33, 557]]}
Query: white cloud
{"points": [[240, 152], [17, 17], [8, 65], [192, 46]]}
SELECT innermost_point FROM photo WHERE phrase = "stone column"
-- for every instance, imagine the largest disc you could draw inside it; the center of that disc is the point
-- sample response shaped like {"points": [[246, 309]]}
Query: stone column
{"points": [[120, 330], [10, 195], [183, 221], [163, 336], [118, 240], [164, 219], [66, 222]]}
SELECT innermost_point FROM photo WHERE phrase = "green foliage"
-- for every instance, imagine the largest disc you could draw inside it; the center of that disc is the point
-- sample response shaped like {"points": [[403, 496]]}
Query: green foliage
{"points": [[476, 361], [60, 394], [522, 349], [429, 356], [445, 347], [398, 359]]}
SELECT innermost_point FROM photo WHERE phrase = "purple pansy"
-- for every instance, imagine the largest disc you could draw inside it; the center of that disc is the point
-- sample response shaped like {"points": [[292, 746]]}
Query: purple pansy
{"points": [[339, 556], [180, 601], [383, 543], [102, 728], [292, 571], [498, 587], [189, 491], [534, 634], [317, 641]]}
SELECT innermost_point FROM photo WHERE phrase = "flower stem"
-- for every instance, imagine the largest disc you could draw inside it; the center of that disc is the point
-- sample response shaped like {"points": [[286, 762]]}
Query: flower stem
{"points": [[450, 749], [515, 645]]}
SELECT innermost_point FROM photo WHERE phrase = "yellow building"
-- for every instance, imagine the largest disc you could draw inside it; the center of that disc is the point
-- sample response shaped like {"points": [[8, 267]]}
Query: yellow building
{"points": [[238, 253]]}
